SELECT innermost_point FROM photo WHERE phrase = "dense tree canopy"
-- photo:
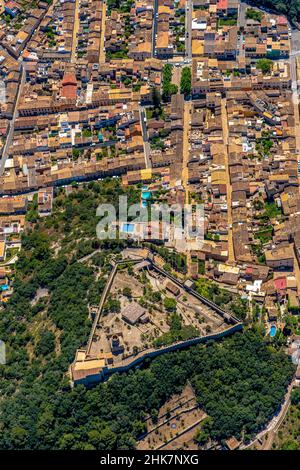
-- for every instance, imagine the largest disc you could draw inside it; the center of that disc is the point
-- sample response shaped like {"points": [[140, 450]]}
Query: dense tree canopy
{"points": [[290, 8], [265, 65], [168, 88], [186, 81], [240, 381]]}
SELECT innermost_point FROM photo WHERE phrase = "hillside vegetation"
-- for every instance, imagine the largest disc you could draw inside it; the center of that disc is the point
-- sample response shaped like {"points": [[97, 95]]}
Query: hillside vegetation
{"points": [[240, 381], [288, 436], [290, 8]]}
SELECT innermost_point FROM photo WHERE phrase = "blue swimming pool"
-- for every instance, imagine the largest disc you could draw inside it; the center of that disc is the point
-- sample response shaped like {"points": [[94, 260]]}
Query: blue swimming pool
{"points": [[272, 331], [146, 194], [128, 228]]}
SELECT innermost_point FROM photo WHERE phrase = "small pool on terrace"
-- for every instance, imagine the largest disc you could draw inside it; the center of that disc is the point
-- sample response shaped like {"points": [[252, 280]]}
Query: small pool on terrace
{"points": [[146, 194], [272, 331], [128, 228]]}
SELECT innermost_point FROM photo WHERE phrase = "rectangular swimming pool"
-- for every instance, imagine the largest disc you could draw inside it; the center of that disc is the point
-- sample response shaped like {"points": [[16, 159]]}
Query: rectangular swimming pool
{"points": [[128, 228], [273, 331]]}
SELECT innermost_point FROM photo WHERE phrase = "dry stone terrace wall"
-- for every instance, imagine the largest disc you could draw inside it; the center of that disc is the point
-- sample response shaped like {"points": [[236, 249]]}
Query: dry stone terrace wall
{"points": [[152, 353], [135, 360]]}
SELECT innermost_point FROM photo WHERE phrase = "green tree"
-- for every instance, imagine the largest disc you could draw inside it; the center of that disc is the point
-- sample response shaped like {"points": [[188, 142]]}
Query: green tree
{"points": [[19, 436], [295, 397], [254, 14], [290, 444], [127, 292], [168, 88], [186, 81], [170, 304], [265, 65], [46, 343]]}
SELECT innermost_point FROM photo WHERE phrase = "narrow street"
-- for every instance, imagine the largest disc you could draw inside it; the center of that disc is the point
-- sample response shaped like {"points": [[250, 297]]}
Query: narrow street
{"points": [[295, 43], [242, 15], [145, 137], [185, 151], [102, 37], [228, 183], [295, 97], [75, 32], [12, 124], [188, 29], [241, 24], [154, 29], [185, 160], [297, 272]]}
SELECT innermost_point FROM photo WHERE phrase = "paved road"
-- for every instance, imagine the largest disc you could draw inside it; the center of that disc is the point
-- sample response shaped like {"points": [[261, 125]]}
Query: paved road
{"points": [[145, 137], [13, 260], [185, 147], [295, 54], [75, 32], [242, 15], [188, 29], [185, 169], [228, 182], [295, 45], [12, 125], [154, 30], [241, 24], [102, 37]]}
